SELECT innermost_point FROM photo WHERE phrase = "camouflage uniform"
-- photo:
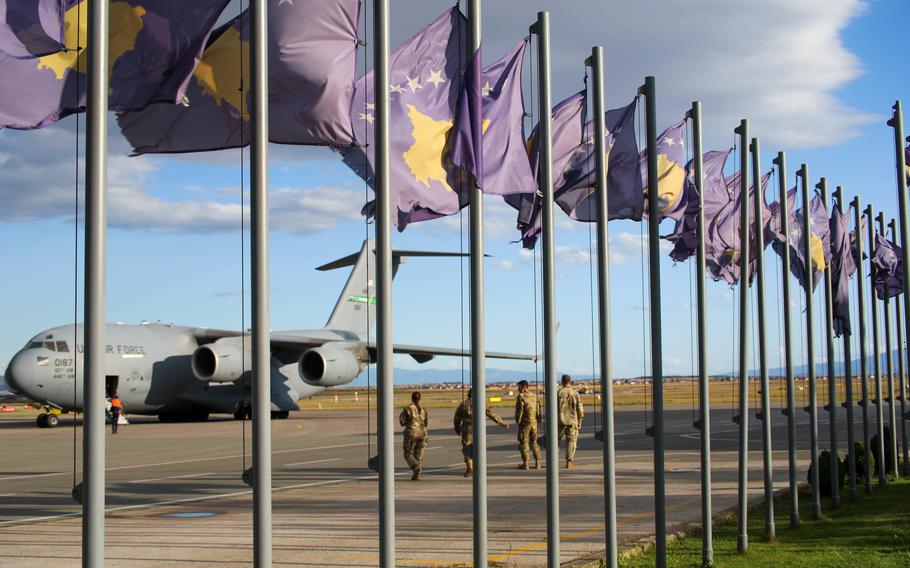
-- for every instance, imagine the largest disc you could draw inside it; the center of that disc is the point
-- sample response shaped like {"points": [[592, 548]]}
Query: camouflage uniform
{"points": [[415, 420], [571, 413], [526, 408], [464, 427]]}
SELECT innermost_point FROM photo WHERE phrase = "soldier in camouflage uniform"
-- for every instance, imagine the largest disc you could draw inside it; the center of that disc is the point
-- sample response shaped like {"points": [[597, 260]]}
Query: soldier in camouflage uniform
{"points": [[464, 428], [571, 414], [526, 409], [414, 419]]}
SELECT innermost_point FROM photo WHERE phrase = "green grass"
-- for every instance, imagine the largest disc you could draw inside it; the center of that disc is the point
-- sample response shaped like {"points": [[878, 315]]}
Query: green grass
{"points": [[872, 533]]}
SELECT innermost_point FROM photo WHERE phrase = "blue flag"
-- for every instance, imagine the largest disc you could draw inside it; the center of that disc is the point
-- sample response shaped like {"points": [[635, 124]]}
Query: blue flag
{"points": [[426, 75], [154, 49], [625, 198], [31, 28], [568, 121], [312, 58]]}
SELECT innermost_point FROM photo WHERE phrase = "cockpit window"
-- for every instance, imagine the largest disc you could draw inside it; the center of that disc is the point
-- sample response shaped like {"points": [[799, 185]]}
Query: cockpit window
{"points": [[34, 345], [62, 347], [49, 345]]}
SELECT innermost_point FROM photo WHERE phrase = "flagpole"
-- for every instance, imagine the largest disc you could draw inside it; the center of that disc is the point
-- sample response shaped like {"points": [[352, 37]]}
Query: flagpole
{"points": [[742, 510], [781, 162], [808, 278], [384, 370], [902, 373], [822, 186], [848, 379], [767, 464], [93, 464], [704, 419], [863, 361], [542, 29], [898, 326], [657, 377], [897, 123], [889, 365], [596, 62], [877, 356], [259, 243], [478, 335]]}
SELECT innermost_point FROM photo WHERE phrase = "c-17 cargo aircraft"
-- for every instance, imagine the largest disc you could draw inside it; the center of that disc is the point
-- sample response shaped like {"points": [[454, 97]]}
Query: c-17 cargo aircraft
{"points": [[185, 374]]}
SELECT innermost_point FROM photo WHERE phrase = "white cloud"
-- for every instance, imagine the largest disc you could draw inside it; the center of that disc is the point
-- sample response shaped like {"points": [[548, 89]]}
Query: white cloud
{"points": [[778, 62], [626, 248]]}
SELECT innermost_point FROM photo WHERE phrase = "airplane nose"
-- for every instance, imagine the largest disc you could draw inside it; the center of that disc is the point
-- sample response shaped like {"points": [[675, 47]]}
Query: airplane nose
{"points": [[14, 369]]}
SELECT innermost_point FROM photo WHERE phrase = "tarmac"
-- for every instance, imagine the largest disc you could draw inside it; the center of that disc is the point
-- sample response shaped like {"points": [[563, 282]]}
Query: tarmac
{"points": [[175, 495]]}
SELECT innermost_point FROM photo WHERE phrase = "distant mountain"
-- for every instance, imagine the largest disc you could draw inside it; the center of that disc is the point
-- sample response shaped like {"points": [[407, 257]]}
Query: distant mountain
{"points": [[424, 376], [822, 368]]}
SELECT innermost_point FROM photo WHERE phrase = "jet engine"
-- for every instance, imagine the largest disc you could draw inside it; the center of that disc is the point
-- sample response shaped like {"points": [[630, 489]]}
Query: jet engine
{"points": [[332, 364], [219, 362]]}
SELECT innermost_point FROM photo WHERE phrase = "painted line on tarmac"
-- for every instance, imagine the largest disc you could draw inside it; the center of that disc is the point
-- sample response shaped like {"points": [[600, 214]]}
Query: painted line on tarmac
{"points": [[178, 462], [314, 461], [188, 476], [625, 519], [186, 500]]}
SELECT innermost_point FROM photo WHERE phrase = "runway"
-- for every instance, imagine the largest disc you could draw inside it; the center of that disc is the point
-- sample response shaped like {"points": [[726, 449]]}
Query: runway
{"points": [[175, 495]]}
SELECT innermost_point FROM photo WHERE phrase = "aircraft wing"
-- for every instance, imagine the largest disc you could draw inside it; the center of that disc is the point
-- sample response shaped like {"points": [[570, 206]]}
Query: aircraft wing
{"points": [[288, 346], [423, 354]]}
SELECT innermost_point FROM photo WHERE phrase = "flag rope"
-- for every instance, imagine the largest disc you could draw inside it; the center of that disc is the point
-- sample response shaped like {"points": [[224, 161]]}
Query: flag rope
{"points": [[647, 381], [366, 230], [693, 394], [76, 254], [593, 340], [240, 150]]}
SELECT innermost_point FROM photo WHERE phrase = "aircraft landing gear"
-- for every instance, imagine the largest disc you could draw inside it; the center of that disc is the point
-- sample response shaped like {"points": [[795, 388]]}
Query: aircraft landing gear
{"points": [[47, 420], [245, 411]]}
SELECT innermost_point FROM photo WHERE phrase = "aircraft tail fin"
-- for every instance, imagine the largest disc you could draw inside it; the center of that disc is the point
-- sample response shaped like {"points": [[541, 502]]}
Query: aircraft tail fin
{"points": [[355, 309]]}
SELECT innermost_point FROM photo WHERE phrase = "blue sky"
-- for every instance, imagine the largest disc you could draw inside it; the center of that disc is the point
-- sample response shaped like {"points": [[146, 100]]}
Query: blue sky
{"points": [[817, 79]]}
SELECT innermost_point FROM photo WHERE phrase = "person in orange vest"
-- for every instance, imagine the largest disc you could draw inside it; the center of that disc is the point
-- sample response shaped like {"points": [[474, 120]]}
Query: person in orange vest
{"points": [[116, 409]]}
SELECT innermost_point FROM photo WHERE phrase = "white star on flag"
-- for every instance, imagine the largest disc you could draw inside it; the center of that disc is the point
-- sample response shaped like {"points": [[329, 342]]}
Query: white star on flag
{"points": [[396, 89], [414, 84], [670, 141], [486, 89], [288, 2], [436, 78], [367, 117], [371, 106]]}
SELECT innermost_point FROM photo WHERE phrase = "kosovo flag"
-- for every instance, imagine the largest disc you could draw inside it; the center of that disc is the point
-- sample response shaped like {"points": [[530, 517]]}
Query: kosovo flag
{"points": [[426, 76], [504, 161], [31, 28], [723, 235], [154, 48], [578, 196], [312, 60], [888, 269], [843, 266], [671, 172], [819, 242], [716, 196], [567, 128]]}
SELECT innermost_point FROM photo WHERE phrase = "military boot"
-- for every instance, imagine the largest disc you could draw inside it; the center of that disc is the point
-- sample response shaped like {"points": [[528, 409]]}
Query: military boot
{"points": [[568, 465], [523, 465], [469, 467], [416, 475]]}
